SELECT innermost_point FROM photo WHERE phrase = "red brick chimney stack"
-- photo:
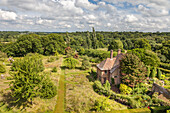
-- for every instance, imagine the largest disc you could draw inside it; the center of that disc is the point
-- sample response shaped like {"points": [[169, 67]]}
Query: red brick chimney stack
{"points": [[119, 51], [111, 54]]}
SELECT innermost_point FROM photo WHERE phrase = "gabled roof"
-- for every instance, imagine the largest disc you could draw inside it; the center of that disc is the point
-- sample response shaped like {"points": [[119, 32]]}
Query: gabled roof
{"points": [[108, 64]]}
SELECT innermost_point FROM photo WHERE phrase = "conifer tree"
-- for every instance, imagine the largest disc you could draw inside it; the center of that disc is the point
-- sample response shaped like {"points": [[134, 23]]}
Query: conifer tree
{"points": [[159, 73], [94, 39], [67, 39], [88, 40], [153, 72], [148, 71]]}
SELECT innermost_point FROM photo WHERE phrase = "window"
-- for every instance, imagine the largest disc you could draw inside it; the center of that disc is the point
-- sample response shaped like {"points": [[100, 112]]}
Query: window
{"points": [[115, 76], [105, 71]]}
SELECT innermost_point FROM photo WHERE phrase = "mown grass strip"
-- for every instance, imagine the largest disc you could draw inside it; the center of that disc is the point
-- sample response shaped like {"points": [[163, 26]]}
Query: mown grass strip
{"points": [[59, 108]]}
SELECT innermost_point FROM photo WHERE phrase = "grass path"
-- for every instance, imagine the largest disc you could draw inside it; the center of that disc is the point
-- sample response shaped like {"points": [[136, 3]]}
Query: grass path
{"points": [[59, 107]]}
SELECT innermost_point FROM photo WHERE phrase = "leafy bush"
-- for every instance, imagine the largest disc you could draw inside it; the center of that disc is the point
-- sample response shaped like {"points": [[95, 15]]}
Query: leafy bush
{"points": [[103, 104], [85, 63], [138, 110], [27, 81], [54, 69], [2, 68], [48, 89], [124, 89], [165, 65], [70, 62], [51, 59], [161, 109]]}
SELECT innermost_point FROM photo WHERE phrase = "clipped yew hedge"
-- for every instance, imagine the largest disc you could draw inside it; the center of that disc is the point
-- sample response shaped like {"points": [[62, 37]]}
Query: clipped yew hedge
{"points": [[139, 110], [161, 109]]}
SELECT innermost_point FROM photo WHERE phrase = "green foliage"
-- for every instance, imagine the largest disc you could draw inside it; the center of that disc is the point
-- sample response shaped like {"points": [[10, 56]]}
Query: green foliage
{"points": [[147, 56], [3, 56], [142, 43], [115, 45], [27, 81], [138, 110], [132, 70], [165, 65], [153, 72], [51, 59], [94, 39], [48, 89], [54, 69], [124, 89], [107, 85], [161, 109], [85, 63], [103, 104], [148, 71], [2, 68], [71, 62], [159, 73], [101, 54]]}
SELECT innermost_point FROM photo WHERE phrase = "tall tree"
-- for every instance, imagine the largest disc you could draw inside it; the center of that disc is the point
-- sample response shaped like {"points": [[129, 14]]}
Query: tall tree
{"points": [[67, 39], [94, 39], [133, 70], [88, 40], [148, 71], [159, 73], [153, 72], [115, 45]]}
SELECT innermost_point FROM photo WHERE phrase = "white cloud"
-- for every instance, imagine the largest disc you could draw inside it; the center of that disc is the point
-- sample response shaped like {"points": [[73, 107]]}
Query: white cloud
{"points": [[7, 15], [85, 4], [72, 15], [130, 18]]}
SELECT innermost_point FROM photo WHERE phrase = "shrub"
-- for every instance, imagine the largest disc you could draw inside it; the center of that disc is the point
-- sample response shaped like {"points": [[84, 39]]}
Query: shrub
{"points": [[70, 62], [139, 110], [161, 109], [124, 89], [54, 69], [51, 59], [85, 63], [2, 68], [48, 89]]}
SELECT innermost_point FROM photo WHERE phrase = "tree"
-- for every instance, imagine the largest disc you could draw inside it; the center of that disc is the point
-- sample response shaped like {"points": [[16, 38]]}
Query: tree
{"points": [[148, 57], [159, 73], [27, 81], [67, 39], [148, 71], [85, 63], [107, 85], [115, 45], [70, 62], [88, 40], [94, 39], [133, 70], [142, 43], [153, 72]]}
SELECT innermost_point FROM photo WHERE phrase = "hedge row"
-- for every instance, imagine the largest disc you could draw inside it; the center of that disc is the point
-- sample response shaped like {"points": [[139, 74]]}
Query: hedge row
{"points": [[135, 101], [164, 70], [139, 110], [161, 109], [165, 65]]}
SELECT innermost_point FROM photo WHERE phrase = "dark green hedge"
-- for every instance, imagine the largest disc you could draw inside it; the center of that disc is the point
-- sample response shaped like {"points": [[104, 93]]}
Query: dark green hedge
{"points": [[139, 110], [161, 109]]}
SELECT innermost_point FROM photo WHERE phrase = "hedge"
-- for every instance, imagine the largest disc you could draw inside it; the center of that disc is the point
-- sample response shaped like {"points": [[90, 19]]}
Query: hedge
{"points": [[165, 65], [161, 109], [139, 110], [164, 70]]}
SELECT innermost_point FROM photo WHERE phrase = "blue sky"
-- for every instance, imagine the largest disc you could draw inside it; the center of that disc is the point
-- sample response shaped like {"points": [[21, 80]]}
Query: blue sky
{"points": [[82, 15]]}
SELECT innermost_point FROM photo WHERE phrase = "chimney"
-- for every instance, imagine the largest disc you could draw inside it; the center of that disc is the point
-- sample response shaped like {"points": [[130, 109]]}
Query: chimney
{"points": [[119, 51], [111, 54]]}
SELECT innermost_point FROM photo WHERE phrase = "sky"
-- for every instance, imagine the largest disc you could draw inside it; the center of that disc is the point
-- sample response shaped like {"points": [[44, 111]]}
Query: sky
{"points": [[82, 15]]}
